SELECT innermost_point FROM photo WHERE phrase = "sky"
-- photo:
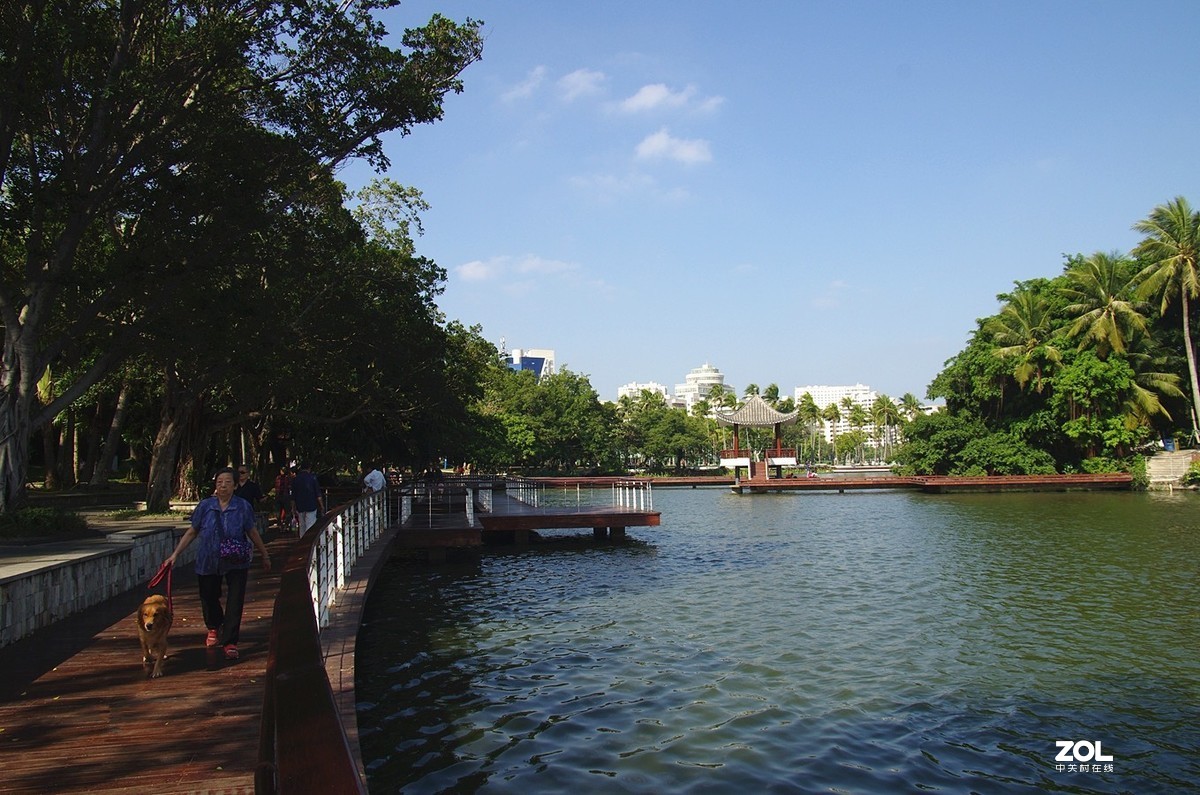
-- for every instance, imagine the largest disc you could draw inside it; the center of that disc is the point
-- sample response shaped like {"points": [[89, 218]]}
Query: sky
{"points": [[793, 192]]}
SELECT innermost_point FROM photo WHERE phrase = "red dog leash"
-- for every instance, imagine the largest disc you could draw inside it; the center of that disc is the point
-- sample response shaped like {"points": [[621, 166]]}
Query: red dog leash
{"points": [[164, 571]]}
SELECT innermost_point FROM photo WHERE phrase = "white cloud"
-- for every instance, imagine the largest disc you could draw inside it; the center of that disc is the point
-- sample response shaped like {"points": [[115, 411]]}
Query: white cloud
{"points": [[480, 271], [662, 145], [505, 267], [580, 83], [526, 87], [658, 96]]}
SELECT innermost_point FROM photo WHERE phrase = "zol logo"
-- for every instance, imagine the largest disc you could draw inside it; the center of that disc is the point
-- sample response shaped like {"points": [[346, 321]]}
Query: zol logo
{"points": [[1081, 751]]}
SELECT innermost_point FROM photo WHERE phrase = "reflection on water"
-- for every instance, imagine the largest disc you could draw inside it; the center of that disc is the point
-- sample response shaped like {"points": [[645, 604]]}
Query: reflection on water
{"points": [[866, 642]]}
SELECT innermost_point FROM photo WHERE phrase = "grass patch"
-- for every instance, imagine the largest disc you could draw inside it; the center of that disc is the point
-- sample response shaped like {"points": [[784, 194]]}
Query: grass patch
{"points": [[42, 524], [134, 513]]}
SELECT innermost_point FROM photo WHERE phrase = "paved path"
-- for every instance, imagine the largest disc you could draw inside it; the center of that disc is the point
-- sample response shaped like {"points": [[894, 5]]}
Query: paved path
{"points": [[79, 714]]}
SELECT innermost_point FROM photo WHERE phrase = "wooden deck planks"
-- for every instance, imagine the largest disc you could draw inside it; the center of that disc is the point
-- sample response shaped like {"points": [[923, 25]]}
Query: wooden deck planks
{"points": [[79, 713]]}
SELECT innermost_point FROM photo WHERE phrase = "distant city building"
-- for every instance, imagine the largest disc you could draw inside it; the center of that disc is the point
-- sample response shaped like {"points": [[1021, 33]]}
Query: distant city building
{"points": [[824, 395], [540, 361], [697, 386], [635, 389]]}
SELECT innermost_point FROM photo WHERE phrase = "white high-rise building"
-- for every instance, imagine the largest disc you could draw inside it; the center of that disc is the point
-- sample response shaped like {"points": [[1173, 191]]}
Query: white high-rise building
{"points": [[635, 389], [824, 395], [698, 384]]}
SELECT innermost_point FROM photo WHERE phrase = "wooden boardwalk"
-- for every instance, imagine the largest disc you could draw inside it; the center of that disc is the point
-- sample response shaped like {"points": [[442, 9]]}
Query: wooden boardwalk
{"points": [[79, 715]]}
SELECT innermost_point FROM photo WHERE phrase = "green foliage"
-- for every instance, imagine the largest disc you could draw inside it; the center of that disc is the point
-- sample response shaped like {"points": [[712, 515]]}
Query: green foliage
{"points": [[1192, 476], [932, 442], [1001, 453], [1140, 472], [1079, 367], [49, 523]]}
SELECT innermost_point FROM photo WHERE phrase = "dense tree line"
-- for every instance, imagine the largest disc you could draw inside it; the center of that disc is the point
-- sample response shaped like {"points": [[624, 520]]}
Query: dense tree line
{"points": [[1076, 372], [179, 266]]}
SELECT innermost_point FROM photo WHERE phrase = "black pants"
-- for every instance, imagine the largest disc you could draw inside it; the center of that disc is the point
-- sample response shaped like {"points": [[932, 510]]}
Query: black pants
{"points": [[227, 622]]}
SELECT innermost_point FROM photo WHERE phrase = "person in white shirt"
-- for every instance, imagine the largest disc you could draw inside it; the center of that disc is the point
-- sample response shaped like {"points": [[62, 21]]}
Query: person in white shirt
{"points": [[374, 481]]}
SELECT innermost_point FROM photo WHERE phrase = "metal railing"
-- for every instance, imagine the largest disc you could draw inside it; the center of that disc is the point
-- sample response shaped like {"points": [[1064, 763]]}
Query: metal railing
{"points": [[524, 490], [636, 494], [303, 746]]}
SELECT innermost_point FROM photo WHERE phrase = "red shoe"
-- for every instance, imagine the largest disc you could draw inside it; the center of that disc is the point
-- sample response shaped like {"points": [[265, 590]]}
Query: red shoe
{"points": [[231, 652], [211, 639]]}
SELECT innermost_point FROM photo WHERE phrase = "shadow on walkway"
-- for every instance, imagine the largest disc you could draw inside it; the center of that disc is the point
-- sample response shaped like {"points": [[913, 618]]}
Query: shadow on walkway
{"points": [[78, 712]]}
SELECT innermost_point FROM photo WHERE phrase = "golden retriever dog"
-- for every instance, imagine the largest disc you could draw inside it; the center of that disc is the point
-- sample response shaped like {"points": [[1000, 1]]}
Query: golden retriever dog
{"points": [[153, 622]]}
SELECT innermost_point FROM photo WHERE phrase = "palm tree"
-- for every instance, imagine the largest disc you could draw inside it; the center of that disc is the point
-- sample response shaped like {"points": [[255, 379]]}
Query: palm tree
{"points": [[1171, 248], [910, 406], [751, 389], [885, 415], [771, 394], [1022, 330], [833, 417], [1105, 318], [810, 413], [858, 420], [1149, 386]]}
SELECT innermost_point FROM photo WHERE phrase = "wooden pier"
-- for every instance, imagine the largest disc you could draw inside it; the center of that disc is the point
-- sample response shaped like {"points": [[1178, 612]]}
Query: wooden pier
{"points": [[459, 513]]}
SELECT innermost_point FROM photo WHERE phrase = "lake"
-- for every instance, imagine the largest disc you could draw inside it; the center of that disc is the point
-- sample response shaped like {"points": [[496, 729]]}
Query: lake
{"points": [[868, 642]]}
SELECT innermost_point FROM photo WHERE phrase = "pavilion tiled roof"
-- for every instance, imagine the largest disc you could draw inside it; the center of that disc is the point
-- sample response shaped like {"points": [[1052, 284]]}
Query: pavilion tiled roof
{"points": [[756, 412]]}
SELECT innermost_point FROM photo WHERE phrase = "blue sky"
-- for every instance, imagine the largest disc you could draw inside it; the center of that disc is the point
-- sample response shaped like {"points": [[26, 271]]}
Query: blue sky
{"points": [[795, 192]]}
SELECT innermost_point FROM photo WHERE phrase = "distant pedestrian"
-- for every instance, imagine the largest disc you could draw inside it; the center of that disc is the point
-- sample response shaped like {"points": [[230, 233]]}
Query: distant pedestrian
{"points": [[283, 496], [374, 481], [246, 488], [226, 527], [306, 497]]}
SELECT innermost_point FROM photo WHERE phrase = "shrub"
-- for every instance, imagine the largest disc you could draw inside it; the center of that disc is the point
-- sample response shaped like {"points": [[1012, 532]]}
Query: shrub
{"points": [[1140, 472], [1192, 477], [51, 522]]}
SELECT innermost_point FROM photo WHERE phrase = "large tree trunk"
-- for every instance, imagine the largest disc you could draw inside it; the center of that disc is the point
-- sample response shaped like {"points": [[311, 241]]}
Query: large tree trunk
{"points": [[14, 454], [50, 478], [1191, 359], [90, 444], [104, 459], [175, 415], [67, 458]]}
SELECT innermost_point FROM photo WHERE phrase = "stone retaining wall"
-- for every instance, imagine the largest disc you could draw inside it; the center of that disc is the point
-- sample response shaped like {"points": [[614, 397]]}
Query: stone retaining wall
{"points": [[126, 560]]}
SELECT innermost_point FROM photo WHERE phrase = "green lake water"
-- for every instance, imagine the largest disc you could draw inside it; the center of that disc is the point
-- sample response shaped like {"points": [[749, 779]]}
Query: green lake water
{"points": [[869, 642]]}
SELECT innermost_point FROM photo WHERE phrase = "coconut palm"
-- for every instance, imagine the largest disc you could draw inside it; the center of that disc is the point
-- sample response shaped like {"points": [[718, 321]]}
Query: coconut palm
{"points": [[885, 415], [771, 394], [1150, 385], [1022, 332], [1170, 249], [910, 406], [833, 416], [858, 418], [810, 414], [1105, 318]]}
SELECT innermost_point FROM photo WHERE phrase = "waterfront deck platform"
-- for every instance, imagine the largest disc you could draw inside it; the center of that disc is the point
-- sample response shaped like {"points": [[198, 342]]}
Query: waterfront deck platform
{"points": [[940, 484], [445, 522], [847, 481]]}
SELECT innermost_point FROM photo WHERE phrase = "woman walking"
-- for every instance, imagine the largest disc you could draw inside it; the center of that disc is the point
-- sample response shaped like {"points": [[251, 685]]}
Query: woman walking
{"points": [[226, 528]]}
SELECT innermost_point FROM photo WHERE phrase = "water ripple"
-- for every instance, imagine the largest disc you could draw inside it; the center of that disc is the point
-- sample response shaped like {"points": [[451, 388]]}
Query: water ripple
{"points": [[822, 643]]}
